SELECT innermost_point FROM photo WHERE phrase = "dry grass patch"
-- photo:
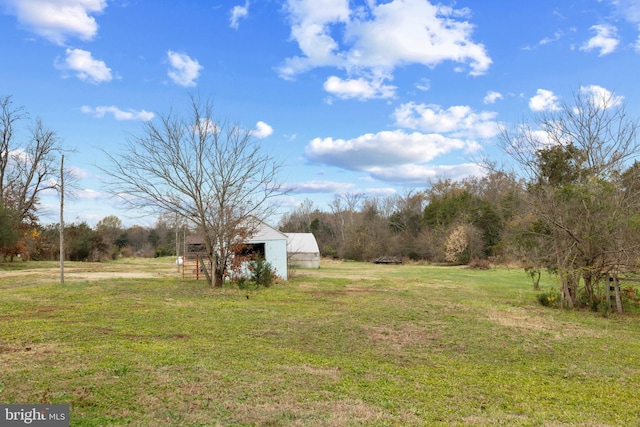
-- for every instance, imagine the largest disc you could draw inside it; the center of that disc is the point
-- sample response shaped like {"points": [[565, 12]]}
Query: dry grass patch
{"points": [[330, 373], [330, 413], [537, 320], [143, 268], [398, 338], [15, 355]]}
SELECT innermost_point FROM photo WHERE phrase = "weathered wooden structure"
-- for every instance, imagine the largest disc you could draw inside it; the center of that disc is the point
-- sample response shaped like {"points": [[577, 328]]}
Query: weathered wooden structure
{"points": [[388, 260], [196, 264], [614, 299]]}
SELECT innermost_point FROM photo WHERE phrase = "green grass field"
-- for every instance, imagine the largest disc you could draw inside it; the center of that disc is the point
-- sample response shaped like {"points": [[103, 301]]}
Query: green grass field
{"points": [[131, 343]]}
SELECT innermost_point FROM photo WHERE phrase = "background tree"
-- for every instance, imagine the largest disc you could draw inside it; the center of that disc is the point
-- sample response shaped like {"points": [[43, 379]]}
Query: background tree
{"points": [[582, 216], [367, 234], [482, 205], [79, 242], [109, 229], [409, 236], [29, 164], [210, 173], [29, 167], [307, 218], [9, 231]]}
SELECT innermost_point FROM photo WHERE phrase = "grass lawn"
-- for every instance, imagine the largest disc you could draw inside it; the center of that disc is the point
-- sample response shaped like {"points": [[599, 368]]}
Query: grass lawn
{"points": [[131, 343]]}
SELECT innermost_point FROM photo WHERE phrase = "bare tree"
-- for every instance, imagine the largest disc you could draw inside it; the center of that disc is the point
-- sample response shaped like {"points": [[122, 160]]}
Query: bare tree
{"points": [[211, 173], [581, 216], [26, 168], [9, 116]]}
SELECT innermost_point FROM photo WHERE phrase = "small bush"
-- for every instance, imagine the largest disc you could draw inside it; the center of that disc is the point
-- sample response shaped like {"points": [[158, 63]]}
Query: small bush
{"points": [[630, 294], [549, 299], [599, 305], [162, 252], [241, 282], [479, 264], [126, 252], [262, 273], [329, 251]]}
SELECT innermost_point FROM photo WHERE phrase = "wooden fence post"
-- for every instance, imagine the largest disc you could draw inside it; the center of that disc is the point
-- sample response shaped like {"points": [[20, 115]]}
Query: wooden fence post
{"points": [[613, 292], [616, 285]]}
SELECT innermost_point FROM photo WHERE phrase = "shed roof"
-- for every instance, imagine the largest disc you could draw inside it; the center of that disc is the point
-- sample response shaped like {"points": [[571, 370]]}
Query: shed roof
{"points": [[264, 231], [261, 232], [302, 243], [194, 240]]}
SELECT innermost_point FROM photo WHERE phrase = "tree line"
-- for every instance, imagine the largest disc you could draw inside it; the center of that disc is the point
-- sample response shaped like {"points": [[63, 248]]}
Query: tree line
{"points": [[107, 240], [451, 221]]}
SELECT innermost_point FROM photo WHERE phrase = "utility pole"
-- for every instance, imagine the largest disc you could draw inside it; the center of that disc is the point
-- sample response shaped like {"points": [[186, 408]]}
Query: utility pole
{"points": [[62, 221], [175, 224]]}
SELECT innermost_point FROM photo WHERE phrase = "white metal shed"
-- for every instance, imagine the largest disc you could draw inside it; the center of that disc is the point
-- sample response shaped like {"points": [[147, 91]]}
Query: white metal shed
{"points": [[275, 247], [302, 250]]}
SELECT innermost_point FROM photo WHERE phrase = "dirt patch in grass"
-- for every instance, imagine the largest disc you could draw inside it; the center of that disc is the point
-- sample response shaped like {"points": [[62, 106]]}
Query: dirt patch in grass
{"points": [[111, 275], [332, 373], [89, 271], [86, 275], [397, 338], [156, 337], [533, 320], [341, 292], [26, 354], [326, 413]]}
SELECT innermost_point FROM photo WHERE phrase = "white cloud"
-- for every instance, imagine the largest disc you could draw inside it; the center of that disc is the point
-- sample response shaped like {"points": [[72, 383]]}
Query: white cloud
{"points": [[85, 66], [459, 121], [601, 97], [388, 148], [117, 113], [416, 174], [78, 172], [184, 70], [556, 36], [405, 158], [491, 97], [415, 31], [19, 154], [628, 9], [237, 13], [320, 187], [205, 126], [56, 20], [359, 88], [606, 39], [262, 130], [377, 38], [375, 192], [88, 194], [424, 85], [544, 100]]}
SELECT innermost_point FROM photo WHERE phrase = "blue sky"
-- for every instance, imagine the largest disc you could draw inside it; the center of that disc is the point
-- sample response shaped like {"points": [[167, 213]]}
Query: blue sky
{"points": [[373, 97]]}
